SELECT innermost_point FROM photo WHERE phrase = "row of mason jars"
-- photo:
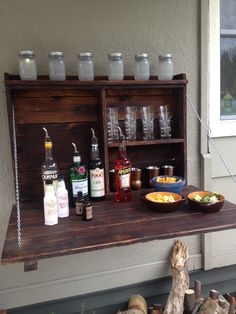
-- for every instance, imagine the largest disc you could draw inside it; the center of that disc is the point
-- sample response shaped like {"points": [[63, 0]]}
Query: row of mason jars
{"points": [[28, 69]]}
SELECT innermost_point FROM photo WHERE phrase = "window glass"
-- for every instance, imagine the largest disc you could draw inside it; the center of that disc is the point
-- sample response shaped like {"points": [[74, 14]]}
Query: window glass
{"points": [[228, 59]]}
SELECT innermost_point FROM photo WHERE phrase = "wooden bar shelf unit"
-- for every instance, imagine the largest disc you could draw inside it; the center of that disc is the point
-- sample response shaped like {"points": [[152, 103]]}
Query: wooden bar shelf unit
{"points": [[68, 109]]}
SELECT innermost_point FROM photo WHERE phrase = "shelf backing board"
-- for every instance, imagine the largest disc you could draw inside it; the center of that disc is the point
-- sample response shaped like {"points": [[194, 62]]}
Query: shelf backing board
{"points": [[69, 109]]}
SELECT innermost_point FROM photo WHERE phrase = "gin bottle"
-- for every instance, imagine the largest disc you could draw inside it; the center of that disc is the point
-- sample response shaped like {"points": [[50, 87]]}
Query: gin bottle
{"points": [[49, 168], [78, 176]]}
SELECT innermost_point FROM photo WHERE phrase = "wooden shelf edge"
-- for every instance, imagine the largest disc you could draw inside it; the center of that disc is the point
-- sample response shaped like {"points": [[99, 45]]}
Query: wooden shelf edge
{"points": [[154, 142]]}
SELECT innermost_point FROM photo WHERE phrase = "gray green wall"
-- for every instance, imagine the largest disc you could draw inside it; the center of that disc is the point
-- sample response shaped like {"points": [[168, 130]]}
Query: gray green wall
{"points": [[99, 26]]}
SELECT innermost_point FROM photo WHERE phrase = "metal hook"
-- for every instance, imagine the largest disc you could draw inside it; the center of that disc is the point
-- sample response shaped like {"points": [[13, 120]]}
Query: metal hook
{"points": [[75, 147], [46, 132]]}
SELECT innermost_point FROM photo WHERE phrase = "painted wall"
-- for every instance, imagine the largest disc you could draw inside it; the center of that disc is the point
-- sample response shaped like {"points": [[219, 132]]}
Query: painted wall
{"points": [[72, 26]]}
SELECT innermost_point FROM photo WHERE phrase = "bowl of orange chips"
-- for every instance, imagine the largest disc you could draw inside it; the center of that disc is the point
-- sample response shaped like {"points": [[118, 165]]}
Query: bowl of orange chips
{"points": [[173, 184], [163, 201]]}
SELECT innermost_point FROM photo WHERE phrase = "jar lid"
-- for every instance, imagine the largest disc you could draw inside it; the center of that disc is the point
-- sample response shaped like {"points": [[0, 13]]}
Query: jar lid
{"points": [[166, 56], [56, 54], [85, 55], [141, 56], [115, 56], [26, 53]]}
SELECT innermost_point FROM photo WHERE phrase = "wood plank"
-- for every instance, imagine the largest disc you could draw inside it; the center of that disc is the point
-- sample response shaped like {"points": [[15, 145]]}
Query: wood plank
{"points": [[60, 109], [114, 224]]}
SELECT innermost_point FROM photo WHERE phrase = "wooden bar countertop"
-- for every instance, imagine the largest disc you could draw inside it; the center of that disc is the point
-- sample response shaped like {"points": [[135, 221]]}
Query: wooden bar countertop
{"points": [[114, 224]]}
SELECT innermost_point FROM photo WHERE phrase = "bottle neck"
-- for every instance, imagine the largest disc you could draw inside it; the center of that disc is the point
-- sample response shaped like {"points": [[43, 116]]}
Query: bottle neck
{"points": [[122, 150], [49, 188], [48, 150], [94, 152]]}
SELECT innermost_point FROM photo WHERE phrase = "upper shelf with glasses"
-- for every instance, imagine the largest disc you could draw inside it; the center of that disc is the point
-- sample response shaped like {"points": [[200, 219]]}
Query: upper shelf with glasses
{"points": [[70, 108]]}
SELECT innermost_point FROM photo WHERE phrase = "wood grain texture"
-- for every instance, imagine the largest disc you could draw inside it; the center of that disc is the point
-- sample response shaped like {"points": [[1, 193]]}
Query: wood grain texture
{"points": [[114, 224]]}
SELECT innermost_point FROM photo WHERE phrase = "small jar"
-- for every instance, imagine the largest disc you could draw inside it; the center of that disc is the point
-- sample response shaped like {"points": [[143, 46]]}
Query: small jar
{"points": [[85, 66], [27, 65], [56, 66], [116, 66], [141, 67], [165, 68]]}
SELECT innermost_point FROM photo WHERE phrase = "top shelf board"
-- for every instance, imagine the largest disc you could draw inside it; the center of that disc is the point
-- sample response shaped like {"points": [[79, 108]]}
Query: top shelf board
{"points": [[14, 82]]}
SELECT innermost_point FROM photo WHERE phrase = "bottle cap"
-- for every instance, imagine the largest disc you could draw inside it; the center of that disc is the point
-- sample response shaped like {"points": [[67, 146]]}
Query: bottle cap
{"points": [[86, 199], [141, 56], [56, 54], [115, 56], [48, 182], [79, 195], [27, 53], [60, 177], [166, 56], [85, 55]]}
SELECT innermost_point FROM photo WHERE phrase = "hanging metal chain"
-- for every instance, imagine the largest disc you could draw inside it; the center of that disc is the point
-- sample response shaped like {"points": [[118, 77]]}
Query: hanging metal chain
{"points": [[17, 186], [208, 132]]}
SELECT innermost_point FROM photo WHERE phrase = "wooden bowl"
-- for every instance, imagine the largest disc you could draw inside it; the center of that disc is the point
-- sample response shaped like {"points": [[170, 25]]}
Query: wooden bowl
{"points": [[175, 187], [164, 207], [206, 208]]}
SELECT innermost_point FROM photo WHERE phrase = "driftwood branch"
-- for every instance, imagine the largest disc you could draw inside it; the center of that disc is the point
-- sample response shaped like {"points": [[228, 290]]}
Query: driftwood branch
{"points": [[180, 280]]}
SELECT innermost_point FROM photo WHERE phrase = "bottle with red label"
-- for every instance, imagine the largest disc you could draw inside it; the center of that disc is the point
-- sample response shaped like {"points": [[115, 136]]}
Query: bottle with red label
{"points": [[96, 171], [122, 166], [78, 176]]}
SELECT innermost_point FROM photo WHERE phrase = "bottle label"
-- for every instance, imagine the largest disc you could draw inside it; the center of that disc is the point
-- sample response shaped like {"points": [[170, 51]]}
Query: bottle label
{"points": [[79, 185], [97, 185], [50, 175], [63, 204], [79, 208], [124, 177], [50, 209], [89, 212]]}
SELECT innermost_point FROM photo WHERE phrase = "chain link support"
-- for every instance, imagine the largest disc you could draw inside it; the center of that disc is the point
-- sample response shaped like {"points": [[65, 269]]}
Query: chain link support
{"points": [[17, 186]]}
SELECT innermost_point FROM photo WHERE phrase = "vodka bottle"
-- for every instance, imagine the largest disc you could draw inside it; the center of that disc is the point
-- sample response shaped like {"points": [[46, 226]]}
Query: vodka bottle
{"points": [[49, 168]]}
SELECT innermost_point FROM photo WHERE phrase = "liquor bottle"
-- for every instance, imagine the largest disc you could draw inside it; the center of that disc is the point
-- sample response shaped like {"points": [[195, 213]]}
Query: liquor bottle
{"points": [[50, 205], [62, 198], [122, 166], [96, 172], [87, 209], [78, 176], [49, 168]]}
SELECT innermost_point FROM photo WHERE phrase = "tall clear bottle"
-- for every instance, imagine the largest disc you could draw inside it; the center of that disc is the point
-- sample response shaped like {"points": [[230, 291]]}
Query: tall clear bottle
{"points": [[78, 176], [122, 166], [49, 168], [96, 171]]}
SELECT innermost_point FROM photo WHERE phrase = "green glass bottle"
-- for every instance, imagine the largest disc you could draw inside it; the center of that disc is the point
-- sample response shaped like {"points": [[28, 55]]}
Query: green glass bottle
{"points": [[78, 176]]}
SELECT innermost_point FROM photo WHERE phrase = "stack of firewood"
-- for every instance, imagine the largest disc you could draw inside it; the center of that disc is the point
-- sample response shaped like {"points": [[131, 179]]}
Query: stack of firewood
{"points": [[181, 299]]}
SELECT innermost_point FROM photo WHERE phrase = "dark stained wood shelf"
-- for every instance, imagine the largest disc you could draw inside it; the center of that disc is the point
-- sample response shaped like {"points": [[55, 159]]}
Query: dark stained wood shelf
{"points": [[154, 142], [114, 224]]}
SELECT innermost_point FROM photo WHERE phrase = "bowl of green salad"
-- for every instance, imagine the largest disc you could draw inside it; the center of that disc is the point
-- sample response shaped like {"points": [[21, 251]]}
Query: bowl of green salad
{"points": [[205, 201]]}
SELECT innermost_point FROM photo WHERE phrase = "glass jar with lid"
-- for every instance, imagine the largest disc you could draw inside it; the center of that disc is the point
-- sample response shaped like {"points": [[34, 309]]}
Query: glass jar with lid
{"points": [[85, 66], [27, 65], [165, 67], [56, 66], [116, 66], [141, 67]]}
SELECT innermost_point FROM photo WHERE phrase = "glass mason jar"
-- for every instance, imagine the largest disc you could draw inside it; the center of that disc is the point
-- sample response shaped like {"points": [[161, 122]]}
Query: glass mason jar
{"points": [[165, 68], [85, 66], [27, 65], [56, 66], [116, 66], [141, 67]]}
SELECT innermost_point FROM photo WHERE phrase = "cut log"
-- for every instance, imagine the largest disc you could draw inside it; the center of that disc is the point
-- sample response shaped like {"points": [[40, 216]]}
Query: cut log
{"points": [[189, 301], [214, 294], [137, 305], [138, 302], [156, 309], [198, 288], [180, 280], [211, 306]]}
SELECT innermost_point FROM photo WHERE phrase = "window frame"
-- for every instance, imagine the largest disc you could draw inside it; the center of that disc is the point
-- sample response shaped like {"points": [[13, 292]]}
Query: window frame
{"points": [[219, 127]]}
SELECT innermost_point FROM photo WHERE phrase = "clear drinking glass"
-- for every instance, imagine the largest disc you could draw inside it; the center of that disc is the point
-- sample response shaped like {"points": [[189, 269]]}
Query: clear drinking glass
{"points": [[130, 123], [165, 122], [112, 124], [147, 116]]}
